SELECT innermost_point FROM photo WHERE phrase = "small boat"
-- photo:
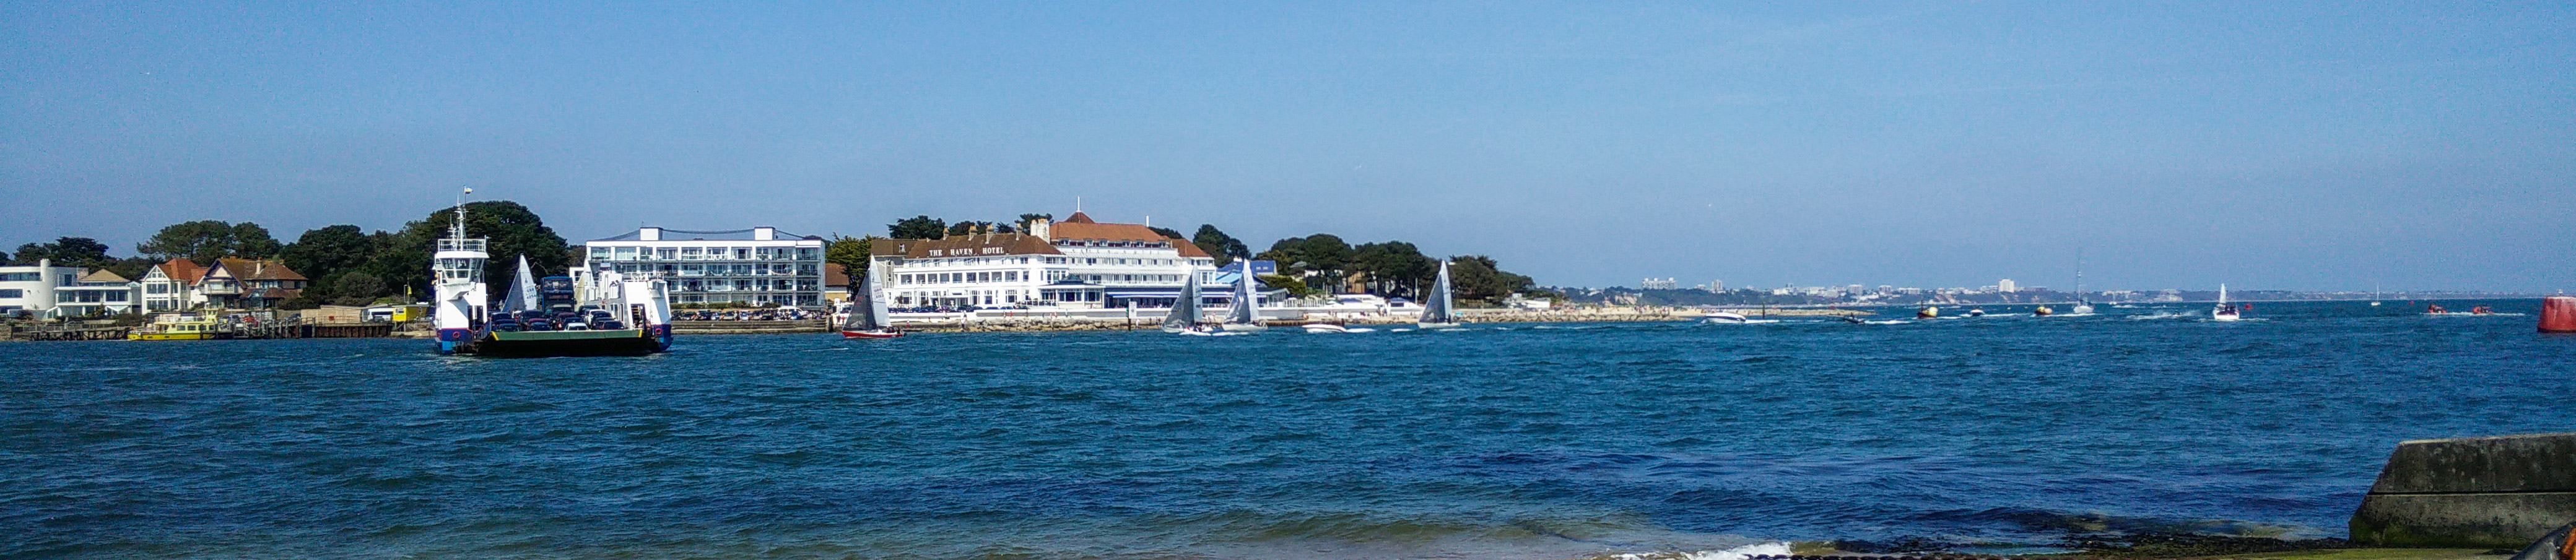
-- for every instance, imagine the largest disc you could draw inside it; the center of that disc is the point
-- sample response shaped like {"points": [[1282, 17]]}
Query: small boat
{"points": [[2082, 306], [1724, 317], [1436, 312], [2223, 312], [1325, 328], [1854, 320], [2374, 295], [869, 317], [1928, 312], [1245, 314], [1184, 316], [2043, 311], [1974, 312], [194, 328]]}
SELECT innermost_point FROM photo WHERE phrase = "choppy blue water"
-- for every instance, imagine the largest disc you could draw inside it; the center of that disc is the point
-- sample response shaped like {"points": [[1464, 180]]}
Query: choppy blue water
{"points": [[1496, 441]]}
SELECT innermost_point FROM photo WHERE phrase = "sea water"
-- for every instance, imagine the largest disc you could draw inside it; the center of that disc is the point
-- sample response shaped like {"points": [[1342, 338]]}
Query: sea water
{"points": [[1532, 441]]}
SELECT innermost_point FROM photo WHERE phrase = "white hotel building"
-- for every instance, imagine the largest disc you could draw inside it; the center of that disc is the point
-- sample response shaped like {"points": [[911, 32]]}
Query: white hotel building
{"points": [[760, 266], [1076, 264]]}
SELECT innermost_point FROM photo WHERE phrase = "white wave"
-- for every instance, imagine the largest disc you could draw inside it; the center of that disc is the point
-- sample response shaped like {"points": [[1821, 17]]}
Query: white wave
{"points": [[2159, 316], [1737, 553], [1888, 322], [1360, 329]]}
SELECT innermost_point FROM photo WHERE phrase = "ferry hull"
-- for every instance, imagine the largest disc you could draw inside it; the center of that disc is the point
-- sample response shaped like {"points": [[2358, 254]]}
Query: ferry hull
{"points": [[537, 344], [871, 334]]}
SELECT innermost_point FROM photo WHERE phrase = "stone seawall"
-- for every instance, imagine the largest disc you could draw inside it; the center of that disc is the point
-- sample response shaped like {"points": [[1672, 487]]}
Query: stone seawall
{"points": [[2490, 492]]}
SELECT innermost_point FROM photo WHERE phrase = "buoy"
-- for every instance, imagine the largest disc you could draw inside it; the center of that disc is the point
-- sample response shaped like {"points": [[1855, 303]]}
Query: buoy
{"points": [[2558, 314]]}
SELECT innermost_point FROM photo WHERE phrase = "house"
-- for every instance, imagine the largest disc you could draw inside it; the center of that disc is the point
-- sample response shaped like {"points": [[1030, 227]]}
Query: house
{"points": [[172, 286], [45, 290], [96, 293], [29, 289], [250, 284]]}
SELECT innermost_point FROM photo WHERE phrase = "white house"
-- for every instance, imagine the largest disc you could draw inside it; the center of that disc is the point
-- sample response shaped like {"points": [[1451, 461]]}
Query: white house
{"points": [[172, 286], [45, 290], [30, 289], [759, 266]]}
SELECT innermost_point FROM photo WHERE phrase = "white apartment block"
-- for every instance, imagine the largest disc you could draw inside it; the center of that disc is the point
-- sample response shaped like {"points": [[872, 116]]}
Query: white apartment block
{"points": [[760, 266]]}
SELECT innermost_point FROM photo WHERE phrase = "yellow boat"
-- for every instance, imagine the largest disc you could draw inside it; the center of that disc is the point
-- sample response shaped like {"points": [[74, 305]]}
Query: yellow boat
{"points": [[177, 330]]}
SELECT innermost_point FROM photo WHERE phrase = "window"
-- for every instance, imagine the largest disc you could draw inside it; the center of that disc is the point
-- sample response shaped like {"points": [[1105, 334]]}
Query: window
{"points": [[667, 253], [12, 294], [21, 276]]}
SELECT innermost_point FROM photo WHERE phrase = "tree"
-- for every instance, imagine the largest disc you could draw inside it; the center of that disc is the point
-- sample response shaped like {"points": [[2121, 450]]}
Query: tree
{"points": [[1224, 247], [1026, 219], [250, 241], [204, 241], [80, 252], [357, 287], [1394, 268], [918, 227], [1477, 277], [511, 230], [1167, 233], [4, 256], [851, 253], [329, 251], [1295, 288]]}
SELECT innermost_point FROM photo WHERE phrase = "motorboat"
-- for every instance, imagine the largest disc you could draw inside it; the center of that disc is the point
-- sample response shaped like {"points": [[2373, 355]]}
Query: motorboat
{"points": [[1325, 328], [1928, 312], [1724, 317]]}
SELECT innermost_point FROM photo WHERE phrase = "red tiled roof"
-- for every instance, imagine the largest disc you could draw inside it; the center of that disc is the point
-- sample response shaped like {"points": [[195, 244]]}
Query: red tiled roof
{"points": [[836, 275], [1079, 218], [183, 270]]}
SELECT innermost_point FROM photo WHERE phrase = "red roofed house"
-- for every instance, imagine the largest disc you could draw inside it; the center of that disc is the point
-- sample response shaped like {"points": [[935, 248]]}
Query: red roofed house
{"points": [[172, 286], [249, 284], [1077, 263]]}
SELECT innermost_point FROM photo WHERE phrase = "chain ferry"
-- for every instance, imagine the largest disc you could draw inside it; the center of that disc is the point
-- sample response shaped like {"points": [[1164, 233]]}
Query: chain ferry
{"points": [[599, 314]]}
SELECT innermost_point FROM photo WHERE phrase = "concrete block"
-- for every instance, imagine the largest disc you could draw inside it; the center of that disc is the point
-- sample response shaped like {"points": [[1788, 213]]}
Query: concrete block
{"points": [[2490, 492]]}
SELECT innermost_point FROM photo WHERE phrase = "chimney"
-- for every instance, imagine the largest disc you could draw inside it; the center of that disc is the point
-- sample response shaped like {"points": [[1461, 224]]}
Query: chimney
{"points": [[648, 234], [764, 233], [1038, 228]]}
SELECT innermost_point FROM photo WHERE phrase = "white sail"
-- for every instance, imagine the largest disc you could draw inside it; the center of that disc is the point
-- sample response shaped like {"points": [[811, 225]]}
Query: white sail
{"points": [[523, 290], [878, 316], [1436, 309], [867, 308], [1246, 313], [1185, 311]]}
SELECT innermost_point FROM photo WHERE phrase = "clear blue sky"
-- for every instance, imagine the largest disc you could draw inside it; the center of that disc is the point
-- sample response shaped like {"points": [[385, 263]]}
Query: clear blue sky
{"points": [[2325, 145]]}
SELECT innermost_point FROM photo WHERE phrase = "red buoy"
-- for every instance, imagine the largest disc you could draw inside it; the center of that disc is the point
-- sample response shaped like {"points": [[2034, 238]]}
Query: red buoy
{"points": [[2558, 314]]}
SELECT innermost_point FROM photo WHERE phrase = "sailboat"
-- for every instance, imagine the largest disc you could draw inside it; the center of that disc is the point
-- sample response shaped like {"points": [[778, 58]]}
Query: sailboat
{"points": [[1184, 317], [868, 316], [2374, 295], [1245, 316], [2082, 306], [1436, 309], [2223, 312]]}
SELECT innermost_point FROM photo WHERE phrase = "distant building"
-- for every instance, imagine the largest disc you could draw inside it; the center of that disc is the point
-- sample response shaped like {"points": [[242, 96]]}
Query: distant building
{"points": [[1078, 263], [760, 266], [1715, 286], [1663, 284], [2005, 286]]}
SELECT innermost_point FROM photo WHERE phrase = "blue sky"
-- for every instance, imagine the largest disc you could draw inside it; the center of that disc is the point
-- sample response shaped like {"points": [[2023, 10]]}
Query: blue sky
{"points": [[2328, 145]]}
